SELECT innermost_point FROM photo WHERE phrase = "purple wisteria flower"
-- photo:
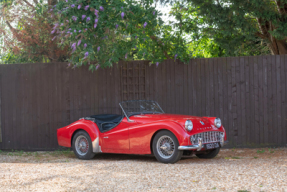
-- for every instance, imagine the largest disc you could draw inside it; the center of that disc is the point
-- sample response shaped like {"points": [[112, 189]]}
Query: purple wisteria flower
{"points": [[66, 1], [157, 63], [54, 38], [145, 24], [101, 8], [95, 25], [52, 32], [87, 7], [73, 47], [96, 12], [69, 64], [74, 18], [32, 16], [62, 24], [75, 31], [122, 7], [79, 42], [51, 10], [85, 45], [122, 15], [86, 54], [136, 37], [117, 26], [55, 6], [86, 29], [67, 21], [79, 6], [175, 56], [97, 67], [69, 29], [153, 12], [88, 19], [126, 55], [73, 5], [96, 20], [83, 17], [80, 31], [98, 48]]}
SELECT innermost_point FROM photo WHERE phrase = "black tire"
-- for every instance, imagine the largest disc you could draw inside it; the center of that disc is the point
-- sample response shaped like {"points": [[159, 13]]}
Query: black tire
{"points": [[176, 155], [88, 152], [208, 154]]}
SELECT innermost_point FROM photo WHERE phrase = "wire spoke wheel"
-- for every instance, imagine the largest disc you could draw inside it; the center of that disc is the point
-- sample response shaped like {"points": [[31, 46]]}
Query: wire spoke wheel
{"points": [[165, 147], [82, 145]]}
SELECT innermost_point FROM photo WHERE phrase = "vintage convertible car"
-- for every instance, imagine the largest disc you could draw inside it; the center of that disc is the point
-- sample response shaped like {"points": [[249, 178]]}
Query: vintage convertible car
{"points": [[144, 129]]}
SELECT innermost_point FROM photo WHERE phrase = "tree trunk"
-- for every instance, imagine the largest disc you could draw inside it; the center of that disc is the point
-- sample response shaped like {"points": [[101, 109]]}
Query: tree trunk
{"points": [[277, 47]]}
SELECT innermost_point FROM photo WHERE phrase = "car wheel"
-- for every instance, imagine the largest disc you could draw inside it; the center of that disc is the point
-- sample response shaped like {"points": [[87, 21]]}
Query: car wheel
{"points": [[165, 147], [208, 154], [82, 145]]}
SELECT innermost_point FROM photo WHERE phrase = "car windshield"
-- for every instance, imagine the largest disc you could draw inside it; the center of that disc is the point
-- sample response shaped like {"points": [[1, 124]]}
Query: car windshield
{"points": [[137, 107]]}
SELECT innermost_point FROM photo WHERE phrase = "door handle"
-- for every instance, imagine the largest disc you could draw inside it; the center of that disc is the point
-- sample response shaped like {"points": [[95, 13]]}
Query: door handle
{"points": [[105, 137]]}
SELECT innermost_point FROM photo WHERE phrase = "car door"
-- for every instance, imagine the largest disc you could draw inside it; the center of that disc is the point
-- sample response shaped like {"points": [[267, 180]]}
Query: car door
{"points": [[117, 139]]}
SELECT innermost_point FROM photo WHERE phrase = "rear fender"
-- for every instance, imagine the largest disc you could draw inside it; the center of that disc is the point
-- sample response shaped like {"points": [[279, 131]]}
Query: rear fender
{"points": [[65, 134]]}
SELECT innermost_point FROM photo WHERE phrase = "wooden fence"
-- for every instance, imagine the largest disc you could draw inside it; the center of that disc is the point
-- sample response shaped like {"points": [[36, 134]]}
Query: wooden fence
{"points": [[247, 93]]}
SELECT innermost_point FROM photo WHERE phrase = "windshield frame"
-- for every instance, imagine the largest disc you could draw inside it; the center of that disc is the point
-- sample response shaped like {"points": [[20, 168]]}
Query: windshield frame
{"points": [[138, 113]]}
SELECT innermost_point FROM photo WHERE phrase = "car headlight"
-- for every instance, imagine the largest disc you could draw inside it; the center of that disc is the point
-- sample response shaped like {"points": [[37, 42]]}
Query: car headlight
{"points": [[188, 125], [217, 122]]}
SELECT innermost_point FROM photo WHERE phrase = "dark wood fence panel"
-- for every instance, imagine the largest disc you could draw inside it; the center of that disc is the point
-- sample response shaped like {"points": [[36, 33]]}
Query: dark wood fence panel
{"points": [[247, 93]]}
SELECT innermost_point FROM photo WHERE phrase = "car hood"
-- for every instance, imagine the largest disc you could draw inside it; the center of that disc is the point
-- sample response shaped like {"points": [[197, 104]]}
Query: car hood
{"points": [[198, 122]]}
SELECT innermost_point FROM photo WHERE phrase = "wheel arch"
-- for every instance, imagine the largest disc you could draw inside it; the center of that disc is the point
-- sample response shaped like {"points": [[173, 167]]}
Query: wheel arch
{"points": [[74, 133], [152, 138]]}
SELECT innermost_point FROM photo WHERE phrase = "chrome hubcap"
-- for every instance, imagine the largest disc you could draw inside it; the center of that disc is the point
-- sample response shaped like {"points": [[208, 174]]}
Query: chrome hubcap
{"points": [[165, 146], [82, 145]]}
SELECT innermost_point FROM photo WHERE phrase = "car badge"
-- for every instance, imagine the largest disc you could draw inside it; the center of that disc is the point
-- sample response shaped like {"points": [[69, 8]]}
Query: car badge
{"points": [[201, 122]]}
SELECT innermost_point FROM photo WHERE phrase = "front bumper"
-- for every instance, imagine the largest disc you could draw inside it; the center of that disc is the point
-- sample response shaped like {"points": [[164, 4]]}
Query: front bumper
{"points": [[199, 146]]}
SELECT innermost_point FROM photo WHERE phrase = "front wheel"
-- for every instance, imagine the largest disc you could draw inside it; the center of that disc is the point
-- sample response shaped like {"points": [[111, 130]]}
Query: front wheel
{"points": [[208, 154], [82, 145], [165, 147]]}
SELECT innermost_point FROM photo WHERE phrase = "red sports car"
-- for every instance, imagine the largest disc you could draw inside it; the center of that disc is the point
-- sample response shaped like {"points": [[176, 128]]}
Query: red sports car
{"points": [[144, 129]]}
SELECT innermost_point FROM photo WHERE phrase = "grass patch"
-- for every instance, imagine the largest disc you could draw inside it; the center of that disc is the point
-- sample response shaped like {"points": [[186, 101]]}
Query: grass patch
{"points": [[214, 188], [255, 157], [235, 158], [270, 151], [242, 191], [260, 151]]}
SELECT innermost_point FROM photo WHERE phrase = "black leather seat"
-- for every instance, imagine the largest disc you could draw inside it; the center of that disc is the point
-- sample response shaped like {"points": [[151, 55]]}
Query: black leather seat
{"points": [[106, 122]]}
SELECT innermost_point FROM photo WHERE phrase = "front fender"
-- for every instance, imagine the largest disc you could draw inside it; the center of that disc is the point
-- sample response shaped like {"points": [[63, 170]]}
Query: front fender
{"points": [[64, 135], [141, 135]]}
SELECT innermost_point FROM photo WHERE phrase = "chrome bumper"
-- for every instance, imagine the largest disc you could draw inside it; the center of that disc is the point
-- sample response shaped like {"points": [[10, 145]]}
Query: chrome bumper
{"points": [[199, 146]]}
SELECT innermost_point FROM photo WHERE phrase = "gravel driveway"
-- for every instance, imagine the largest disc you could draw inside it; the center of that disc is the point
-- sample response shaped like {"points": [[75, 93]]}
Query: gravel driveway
{"points": [[231, 170]]}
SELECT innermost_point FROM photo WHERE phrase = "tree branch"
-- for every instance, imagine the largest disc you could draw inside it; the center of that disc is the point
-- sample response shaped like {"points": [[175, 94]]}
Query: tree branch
{"points": [[280, 10], [36, 2], [28, 3]]}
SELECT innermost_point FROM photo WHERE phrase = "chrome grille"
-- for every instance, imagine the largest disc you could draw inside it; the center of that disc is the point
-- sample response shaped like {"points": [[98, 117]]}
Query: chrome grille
{"points": [[207, 137]]}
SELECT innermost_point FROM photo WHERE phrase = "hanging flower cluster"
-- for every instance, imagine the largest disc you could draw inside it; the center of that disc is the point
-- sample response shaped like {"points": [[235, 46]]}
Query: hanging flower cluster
{"points": [[102, 34]]}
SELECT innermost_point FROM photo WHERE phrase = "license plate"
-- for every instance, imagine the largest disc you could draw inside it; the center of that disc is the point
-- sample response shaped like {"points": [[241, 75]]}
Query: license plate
{"points": [[211, 145]]}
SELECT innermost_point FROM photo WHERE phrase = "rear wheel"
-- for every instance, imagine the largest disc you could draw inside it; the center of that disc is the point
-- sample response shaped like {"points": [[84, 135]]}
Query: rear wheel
{"points": [[82, 145], [208, 154], [165, 147]]}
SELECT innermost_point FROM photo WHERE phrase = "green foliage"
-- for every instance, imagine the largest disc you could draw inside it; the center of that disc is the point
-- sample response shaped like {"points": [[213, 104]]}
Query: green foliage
{"points": [[101, 33], [235, 27], [261, 151]]}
